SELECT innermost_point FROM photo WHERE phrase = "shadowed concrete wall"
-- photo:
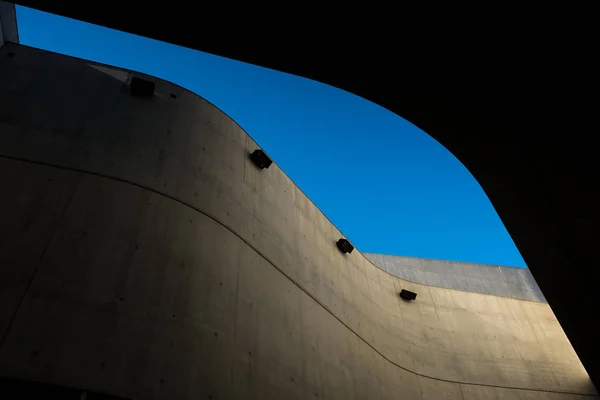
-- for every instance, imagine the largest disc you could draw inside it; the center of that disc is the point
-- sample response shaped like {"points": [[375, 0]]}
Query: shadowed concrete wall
{"points": [[8, 23], [165, 265], [517, 283]]}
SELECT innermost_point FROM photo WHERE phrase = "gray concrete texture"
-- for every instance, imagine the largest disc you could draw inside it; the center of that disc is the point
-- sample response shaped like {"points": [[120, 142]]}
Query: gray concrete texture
{"points": [[517, 283], [143, 255], [8, 23]]}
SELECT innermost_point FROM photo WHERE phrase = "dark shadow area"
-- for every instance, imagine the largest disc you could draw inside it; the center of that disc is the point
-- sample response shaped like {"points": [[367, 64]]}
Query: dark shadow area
{"points": [[18, 389]]}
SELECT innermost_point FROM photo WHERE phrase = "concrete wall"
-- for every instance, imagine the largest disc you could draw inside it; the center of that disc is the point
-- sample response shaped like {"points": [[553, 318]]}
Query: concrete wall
{"points": [[8, 23], [517, 283], [143, 255]]}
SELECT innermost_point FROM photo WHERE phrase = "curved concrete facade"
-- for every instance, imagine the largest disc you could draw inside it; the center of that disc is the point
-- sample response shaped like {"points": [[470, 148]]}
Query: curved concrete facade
{"points": [[496, 280], [145, 256]]}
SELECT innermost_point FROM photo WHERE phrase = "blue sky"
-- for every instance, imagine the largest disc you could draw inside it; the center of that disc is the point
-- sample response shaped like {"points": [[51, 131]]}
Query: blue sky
{"points": [[411, 197]]}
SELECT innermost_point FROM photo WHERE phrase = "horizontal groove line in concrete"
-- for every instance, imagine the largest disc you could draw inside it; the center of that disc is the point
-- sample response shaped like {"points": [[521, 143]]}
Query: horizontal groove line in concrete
{"points": [[292, 280]]}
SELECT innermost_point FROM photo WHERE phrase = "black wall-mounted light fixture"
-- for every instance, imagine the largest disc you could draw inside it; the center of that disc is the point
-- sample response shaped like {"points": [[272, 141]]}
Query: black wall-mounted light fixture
{"points": [[344, 246], [141, 87], [407, 294], [260, 159]]}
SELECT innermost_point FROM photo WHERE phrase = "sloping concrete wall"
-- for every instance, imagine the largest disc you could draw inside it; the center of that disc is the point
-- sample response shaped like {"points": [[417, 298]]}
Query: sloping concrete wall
{"points": [[168, 266], [8, 23], [496, 280]]}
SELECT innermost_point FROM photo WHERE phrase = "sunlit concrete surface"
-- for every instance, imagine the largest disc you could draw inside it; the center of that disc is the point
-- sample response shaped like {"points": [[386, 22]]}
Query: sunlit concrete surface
{"points": [[143, 255], [517, 283]]}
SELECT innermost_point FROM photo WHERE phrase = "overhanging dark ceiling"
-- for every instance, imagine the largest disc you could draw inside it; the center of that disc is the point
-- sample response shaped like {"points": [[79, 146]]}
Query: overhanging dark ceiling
{"points": [[516, 105]]}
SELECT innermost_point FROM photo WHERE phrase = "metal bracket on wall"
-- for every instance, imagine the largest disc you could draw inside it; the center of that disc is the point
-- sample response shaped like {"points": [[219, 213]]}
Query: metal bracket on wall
{"points": [[260, 159], [407, 294], [344, 246], [141, 87]]}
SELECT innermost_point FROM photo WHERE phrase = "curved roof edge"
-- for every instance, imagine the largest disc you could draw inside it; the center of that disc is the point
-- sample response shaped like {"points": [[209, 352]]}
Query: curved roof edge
{"points": [[510, 282], [516, 283]]}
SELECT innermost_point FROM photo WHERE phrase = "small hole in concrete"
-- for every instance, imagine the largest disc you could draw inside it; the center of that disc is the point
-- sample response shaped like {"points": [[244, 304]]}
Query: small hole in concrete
{"points": [[136, 247], [249, 353], [216, 334], [173, 315], [120, 299], [221, 283], [182, 264], [292, 379], [173, 96], [102, 365], [35, 353], [10, 55]]}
